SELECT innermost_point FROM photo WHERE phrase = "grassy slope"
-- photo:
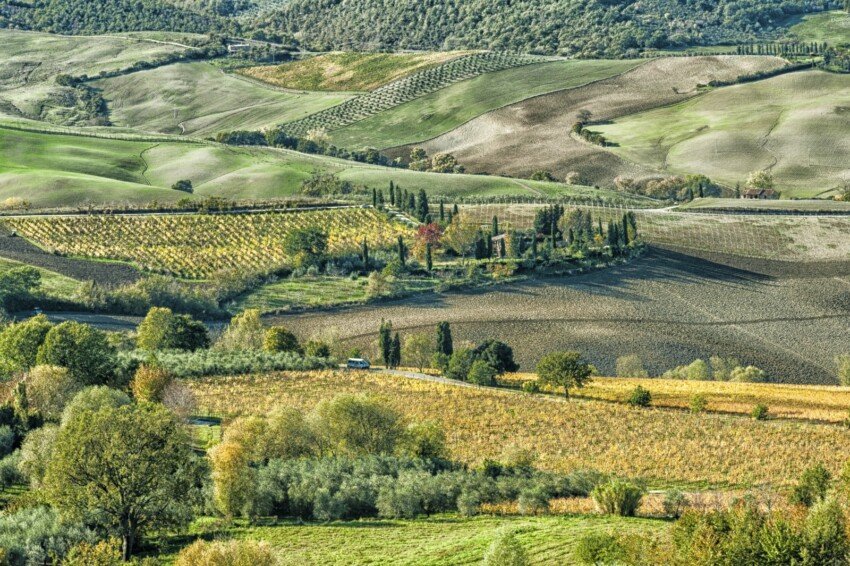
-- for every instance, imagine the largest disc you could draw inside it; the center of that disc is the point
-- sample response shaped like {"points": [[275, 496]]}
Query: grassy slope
{"points": [[29, 63], [832, 27], [533, 134], [745, 204], [204, 99], [441, 540], [450, 107], [53, 284], [662, 446], [348, 71], [65, 170], [795, 124]]}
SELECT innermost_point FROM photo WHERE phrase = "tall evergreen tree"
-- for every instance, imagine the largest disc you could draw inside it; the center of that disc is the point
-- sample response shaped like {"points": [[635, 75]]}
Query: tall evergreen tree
{"points": [[395, 352], [381, 200], [385, 341], [625, 230], [392, 194], [402, 252], [429, 259], [534, 248], [374, 197], [495, 231], [442, 211], [455, 210], [364, 254], [422, 206], [444, 339]]}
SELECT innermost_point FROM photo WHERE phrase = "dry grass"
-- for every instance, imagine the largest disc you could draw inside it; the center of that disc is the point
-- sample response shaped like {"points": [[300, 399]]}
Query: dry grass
{"points": [[347, 71], [804, 402], [662, 446]]}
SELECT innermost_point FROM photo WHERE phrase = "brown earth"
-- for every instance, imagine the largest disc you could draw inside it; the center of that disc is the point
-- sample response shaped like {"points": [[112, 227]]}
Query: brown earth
{"points": [[535, 134]]}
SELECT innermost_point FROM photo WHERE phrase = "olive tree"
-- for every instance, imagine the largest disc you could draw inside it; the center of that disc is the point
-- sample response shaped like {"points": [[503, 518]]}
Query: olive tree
{"points": [[563, 369]]}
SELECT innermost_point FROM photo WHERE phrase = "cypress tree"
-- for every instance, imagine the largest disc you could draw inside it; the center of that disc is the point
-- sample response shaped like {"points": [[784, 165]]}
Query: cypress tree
{"points": [[395, 351], [550, 244], [411, 203], [449, 217], [374, 197], [455, 210], [422, 206], [429, 260], [385, 341], [488, 244], [495, 226], [444, 339], [625, 230], [381, 200], [402, 254], [571, 237], [599, 222], [502, 250], [442, 211], [364, 253], [534, 247], [392, 194]]}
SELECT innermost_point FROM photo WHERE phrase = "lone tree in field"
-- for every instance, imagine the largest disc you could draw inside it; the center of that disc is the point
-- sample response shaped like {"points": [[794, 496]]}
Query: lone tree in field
{"points": [[125, 470], [563, 369]]}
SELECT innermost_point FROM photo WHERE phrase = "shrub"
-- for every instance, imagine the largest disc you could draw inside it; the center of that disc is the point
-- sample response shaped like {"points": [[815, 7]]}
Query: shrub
{"points": [[10, 470], [19, 343], [640, 397], [482, 373], [759, 412], [698, 403], [598, 548], [229, 553], [49, 389], [631, 366], [245, 332], [149, 383], [84, 350], [533, 501], [812, 487], [674, 504], [459, 364], [531, 387], [94, 399], [842, 364], [425, 441], [749, 374], [103, 553], [505, 550], [161, 329], [37, 536], [279, 339], [355, 425], [618, 497], [317, 349], [498, 354], [825, 534]]}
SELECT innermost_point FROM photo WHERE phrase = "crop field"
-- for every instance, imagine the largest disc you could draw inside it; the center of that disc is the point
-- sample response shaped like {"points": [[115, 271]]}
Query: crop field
{"points": [[795, 125], [803, 238], [439, 540], [198, 246], [826, 403], [662, 446], [534, 134], [409, 88], [347, 71], [810, 205], [29, 63], [199, 99], [441, 111], [668, 307], [55, 170], [832, 27]]}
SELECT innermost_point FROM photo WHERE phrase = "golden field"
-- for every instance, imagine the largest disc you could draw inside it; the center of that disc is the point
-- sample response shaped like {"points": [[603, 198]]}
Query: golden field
{"points": [[662, 446]]}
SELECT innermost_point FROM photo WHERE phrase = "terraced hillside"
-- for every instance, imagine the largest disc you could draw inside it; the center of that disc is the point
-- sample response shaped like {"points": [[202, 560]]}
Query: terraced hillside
{"points": [[75, 169], [410, 88], [30, 62], [534, 134], [669, 308], [795, 125], [199, 99]]}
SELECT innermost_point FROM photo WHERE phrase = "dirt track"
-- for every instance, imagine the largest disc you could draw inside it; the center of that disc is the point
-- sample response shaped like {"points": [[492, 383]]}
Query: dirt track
{"points": [[667, 307], [535, 134]]}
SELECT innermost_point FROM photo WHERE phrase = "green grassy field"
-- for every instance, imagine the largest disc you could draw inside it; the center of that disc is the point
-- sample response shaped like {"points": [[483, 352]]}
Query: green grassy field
{"points": [[199, 99], [450, 107], [53, 285], [439, 540], [54, 170], [29, 63], [795, 125], [831, 27], [813, 205], [348, 71]]}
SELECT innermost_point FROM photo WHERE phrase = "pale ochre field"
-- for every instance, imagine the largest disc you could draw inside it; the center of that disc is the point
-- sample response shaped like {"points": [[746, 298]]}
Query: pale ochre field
{"points": [[663, 446], [804, 402]]}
